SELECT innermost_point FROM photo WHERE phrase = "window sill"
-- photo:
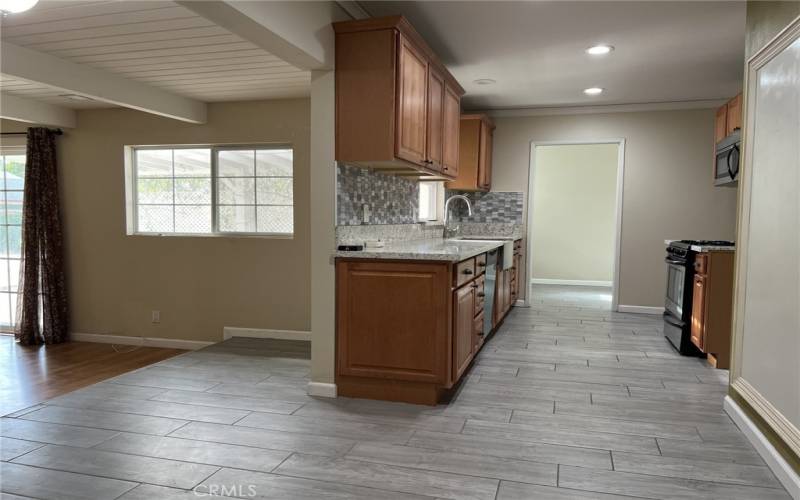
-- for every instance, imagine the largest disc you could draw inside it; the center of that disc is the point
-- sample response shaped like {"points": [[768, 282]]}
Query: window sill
{"points": [[267, 236]]}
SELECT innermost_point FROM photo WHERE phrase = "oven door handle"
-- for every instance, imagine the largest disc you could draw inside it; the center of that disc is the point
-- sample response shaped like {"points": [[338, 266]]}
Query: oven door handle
{"points": [[675, 261], [672, 321]]}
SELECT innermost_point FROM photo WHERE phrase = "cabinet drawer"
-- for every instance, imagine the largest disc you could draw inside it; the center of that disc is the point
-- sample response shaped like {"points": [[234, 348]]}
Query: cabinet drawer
{"points": [[701, 263], [464, 271], [480, 264], [480, 293]]}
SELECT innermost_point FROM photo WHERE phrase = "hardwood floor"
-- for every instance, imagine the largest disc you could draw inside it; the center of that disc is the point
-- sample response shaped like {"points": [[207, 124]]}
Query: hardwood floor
{"points": [[567, 401], [30, 375]]}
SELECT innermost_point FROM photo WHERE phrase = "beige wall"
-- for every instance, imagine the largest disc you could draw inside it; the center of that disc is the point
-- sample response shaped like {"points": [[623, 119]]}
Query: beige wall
{"points": [[200, 284], [668, 191], [574, 208]]}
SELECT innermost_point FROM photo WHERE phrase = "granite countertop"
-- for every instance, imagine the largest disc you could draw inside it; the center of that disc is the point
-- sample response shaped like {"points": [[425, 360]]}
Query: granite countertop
{"points": [[429, 249], [707, 248]]}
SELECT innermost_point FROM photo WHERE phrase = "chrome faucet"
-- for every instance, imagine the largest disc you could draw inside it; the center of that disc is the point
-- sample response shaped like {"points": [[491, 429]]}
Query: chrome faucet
{"points": [[450, 232]]}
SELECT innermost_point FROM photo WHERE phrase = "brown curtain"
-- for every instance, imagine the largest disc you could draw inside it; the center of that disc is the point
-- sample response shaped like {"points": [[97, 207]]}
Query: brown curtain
{"points": [[42, 269]]}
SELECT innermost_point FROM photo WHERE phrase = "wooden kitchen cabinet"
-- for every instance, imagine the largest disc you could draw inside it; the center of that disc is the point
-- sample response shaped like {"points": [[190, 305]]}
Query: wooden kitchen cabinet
{"points": [[734, 118], [463, 329], [721, 123], [412, 112], [396, 103], [712, 297], [409, 330], [451, 131], [475, 154], [435, 115], [728, 118]]}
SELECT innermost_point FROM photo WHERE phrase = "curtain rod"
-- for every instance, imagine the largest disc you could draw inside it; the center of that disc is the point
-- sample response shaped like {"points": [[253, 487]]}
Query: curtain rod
{"points": [[56, 131]]}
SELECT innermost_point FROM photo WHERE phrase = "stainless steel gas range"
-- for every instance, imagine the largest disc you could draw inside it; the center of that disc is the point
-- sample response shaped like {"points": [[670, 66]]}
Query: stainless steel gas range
{"points": [[678, 302]]}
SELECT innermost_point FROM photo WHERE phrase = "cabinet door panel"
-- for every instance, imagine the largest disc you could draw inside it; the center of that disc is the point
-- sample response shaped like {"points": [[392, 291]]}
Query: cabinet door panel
{"points": [[451, 117], [412, 103], [734, 120], [435, 119], [463, 329], [720, 124], [699, 311], [392, 320], [485, 161]]}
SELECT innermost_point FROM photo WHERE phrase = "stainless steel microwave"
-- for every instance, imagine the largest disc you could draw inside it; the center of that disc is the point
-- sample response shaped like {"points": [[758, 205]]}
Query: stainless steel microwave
{"points": [[726, 162]]}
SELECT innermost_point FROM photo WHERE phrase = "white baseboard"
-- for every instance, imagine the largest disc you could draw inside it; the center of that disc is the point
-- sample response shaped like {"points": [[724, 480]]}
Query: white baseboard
{"points": [[779, 466], [322, 390], [545, 281], [519, 303], [191, 345], [640, 309], [260, 333]]}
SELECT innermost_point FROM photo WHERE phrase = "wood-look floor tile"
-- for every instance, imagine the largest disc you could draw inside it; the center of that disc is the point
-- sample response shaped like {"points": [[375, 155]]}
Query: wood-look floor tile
{"points": [[118, 466], [34, 482], [458, 463], [646, 486], [414, 481]]}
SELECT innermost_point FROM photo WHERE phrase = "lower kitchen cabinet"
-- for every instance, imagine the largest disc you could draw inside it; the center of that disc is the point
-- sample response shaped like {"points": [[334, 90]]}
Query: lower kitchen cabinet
{"points": [[712, 302], [463, 329], [409, 330]]}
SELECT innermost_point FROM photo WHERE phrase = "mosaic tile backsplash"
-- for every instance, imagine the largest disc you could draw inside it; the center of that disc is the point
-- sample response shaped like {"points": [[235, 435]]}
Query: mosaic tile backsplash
{"points": [[488, 207], [392, 200]]}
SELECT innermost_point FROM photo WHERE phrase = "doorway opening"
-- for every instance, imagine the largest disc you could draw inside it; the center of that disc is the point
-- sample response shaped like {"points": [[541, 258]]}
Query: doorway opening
{"points": [[574, 222]]}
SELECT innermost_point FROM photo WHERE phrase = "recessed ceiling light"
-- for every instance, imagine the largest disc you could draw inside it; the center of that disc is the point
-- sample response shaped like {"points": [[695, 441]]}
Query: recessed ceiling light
{"points": [[593, 91], [484, 81], [76, 97], [15, 6], [599, 50]]}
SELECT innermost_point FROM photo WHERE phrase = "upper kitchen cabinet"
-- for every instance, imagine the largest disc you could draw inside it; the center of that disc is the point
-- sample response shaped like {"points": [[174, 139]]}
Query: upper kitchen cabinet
{"points": [[397, 106], [728, 118], [475, 154]]}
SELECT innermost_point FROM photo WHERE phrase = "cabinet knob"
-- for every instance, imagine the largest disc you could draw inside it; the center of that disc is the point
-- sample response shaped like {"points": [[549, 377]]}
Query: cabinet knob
{"points": [[467, 271], [481, 294], [481, 264]]}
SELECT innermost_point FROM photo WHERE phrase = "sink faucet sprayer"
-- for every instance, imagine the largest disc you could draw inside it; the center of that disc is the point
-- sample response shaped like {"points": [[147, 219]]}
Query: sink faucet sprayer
{"points": [[448, 231]]}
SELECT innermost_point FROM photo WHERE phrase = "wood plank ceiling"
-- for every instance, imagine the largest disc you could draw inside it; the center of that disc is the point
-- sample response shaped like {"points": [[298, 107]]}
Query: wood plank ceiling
{"points": [[159, 43]]}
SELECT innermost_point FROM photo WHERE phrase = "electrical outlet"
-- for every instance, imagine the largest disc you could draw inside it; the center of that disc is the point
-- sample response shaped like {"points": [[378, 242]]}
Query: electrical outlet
{"points": [[366, 214], [156, 316]]}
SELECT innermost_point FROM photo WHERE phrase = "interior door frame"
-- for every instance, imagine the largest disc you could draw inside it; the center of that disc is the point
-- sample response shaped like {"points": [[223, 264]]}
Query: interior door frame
{"points": [[620, 142]]}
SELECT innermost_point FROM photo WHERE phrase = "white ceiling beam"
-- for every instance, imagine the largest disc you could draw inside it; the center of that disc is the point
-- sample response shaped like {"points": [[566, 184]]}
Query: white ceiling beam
{"points": [[299, 33], [38, 112], [34, 66]]}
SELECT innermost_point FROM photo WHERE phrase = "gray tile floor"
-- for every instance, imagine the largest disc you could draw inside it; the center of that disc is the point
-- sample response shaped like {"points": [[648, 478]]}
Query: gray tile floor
{"points": [[568, 401]]}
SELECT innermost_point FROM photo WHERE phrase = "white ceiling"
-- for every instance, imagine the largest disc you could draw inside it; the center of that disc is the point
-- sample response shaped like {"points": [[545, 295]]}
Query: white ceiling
{"points": [[158, 43], [665, 51]]}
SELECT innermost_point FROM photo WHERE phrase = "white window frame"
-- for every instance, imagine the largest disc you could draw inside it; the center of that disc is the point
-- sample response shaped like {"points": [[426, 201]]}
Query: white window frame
{"points": [[436, 203], [131, 205]]}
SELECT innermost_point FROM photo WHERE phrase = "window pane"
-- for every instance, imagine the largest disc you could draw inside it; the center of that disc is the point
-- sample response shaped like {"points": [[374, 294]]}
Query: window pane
{"points": [[240, 219], [3, 242], [274, 162], [155, 218], [154, 162], [274, 190], [193, 191], [193, 219], [13, 207], [236, 163], [276, 220], [5, 308], [14, 241], [13, 274], [5, 276], [192, 163], [15, 171], [236, 191], [154, 191], [424, 201]]}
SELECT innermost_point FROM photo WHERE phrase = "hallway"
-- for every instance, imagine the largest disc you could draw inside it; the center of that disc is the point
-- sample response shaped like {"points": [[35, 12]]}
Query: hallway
{"points": [[567, 401]]}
